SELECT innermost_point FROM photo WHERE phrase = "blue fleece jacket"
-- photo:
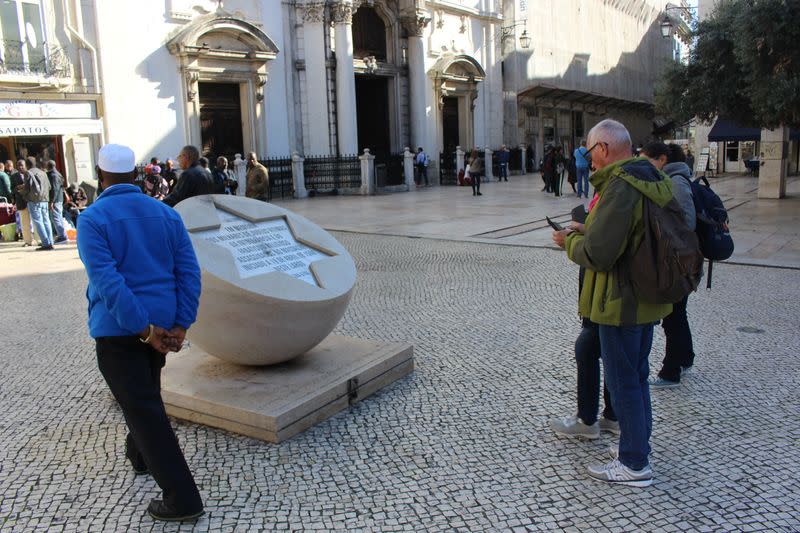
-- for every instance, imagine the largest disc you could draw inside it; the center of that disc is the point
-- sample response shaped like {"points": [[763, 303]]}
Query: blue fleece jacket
{"points": [[140, 262]]}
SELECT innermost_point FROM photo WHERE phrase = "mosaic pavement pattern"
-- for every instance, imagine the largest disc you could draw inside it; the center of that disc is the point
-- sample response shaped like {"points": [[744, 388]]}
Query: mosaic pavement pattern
{"points": [[460, 445]]}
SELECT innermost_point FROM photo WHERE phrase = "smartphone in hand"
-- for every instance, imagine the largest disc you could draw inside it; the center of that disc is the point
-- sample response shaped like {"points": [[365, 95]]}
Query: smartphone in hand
{"points": [[553, 224]]}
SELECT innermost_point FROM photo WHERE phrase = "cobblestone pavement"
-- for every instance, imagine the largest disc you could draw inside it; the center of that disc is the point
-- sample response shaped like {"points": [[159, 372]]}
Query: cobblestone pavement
{"points": [[461, 444]]}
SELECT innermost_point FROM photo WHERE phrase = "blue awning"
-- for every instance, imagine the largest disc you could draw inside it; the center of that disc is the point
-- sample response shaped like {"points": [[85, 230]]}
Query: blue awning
{"points": [[727, 130]]}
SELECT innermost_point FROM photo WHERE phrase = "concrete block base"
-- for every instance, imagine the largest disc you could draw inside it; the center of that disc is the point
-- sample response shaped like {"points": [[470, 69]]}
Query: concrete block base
{"points": [[274, 403]]}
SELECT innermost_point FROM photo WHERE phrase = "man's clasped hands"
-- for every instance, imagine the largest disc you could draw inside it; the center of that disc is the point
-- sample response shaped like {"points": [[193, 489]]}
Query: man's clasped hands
{"points": [[163, 340]]}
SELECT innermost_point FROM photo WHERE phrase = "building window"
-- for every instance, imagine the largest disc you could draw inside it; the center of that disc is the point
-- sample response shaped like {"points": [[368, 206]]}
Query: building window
{"points": [[22, 44], [369, 34]]}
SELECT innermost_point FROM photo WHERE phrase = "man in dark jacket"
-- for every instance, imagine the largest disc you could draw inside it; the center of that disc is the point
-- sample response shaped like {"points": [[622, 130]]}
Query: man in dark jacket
{"points": [[18, 186], [56, 201], [144, 290], [37, 193], [194, 180]]}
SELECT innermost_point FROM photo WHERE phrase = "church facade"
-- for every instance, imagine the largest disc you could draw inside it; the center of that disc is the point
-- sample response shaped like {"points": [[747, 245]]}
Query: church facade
{"points": [[312, 77]]}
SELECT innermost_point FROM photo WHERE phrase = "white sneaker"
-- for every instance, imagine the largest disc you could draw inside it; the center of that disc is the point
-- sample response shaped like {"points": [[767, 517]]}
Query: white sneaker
{"points": [[618, 473], [611, 426], [572, 426]]}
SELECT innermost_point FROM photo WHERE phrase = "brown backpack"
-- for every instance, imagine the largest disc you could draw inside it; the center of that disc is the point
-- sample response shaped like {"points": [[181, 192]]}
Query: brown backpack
{"points": [[668, 263]]}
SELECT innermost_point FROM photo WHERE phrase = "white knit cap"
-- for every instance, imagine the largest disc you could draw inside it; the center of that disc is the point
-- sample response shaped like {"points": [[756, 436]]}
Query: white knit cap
{"points": [[116, 158]]}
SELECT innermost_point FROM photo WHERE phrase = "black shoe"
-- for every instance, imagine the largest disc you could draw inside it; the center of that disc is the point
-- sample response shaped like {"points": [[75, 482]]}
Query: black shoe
{"points": [[43, 248], [161, 511], [479, 193], [61, 239]]}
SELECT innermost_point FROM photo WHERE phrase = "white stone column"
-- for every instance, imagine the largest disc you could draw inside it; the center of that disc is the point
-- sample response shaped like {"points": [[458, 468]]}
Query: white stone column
{"points": [[772, 174], [346, 125], [487, 163], [313, 13], [522, 148], [417, 78], [298, 176], [367, 172], [408, 168], [459, 159], [240, 168]]}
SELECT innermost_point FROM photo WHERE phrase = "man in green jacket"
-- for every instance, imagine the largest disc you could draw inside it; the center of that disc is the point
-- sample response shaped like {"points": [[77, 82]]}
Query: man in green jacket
{"points": [[612, 232]]}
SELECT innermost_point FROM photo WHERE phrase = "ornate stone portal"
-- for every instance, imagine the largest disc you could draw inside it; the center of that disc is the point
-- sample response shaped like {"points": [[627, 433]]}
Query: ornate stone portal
{"points": [[274, 287]]}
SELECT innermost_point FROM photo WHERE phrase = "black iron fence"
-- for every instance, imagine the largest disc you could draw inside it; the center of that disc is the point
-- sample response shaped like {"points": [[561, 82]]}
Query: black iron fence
{"points": [[389, 169], [330, 173], [47, 59], [448, 173], [280, 176]]}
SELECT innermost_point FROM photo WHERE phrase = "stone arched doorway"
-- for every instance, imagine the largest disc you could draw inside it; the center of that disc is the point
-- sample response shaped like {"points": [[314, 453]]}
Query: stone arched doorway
{"points": [[223, 64], [378, 68], [455, 83]]}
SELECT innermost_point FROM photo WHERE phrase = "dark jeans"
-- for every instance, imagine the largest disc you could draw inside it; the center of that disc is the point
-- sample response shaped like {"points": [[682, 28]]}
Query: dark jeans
{"points": [[476, 182], [625, 352], [679, 350], [503, 172], [422, 174], [587, 358], [133, 373]]}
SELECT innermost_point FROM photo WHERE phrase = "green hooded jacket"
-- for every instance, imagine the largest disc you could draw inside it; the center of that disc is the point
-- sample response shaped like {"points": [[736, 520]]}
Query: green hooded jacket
{"points": [[613, 231]]}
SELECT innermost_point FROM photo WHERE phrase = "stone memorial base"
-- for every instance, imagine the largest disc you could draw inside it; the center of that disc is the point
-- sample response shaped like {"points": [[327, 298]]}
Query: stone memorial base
{"points": [[274, 403]]}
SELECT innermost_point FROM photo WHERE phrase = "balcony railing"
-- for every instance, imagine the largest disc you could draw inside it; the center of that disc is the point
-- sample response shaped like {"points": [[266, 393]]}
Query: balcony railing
{"points": [[49, 60]]}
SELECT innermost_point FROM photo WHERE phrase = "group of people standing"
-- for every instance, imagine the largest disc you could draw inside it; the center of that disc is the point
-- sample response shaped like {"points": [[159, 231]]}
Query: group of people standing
{"points": [[617, 323], [195, 177], [41, 198]]}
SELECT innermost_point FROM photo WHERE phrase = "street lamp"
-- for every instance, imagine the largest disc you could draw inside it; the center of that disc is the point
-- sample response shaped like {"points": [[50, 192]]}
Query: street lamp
{"points": [[508, 31], [525, 40], [667, 25]]}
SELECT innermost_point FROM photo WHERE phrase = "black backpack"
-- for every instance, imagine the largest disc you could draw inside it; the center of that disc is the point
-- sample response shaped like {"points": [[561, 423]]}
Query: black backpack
{"points": [[668, 263], [716, 242]]}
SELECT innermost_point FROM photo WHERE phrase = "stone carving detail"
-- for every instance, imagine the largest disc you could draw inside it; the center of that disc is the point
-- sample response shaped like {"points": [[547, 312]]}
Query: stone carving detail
{"points": [[191, 84], [463, 27], [440, 19], [415, 24], [313, 11], [342, 13], [261, 80], [371, 63]]}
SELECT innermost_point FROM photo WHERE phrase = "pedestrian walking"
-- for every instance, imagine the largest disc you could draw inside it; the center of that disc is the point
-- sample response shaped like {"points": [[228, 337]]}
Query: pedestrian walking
{"points": [[503, 157], [613, 231], [56, 202], [475, 169], [143, 293], [194, 180], [18, 185], [37, 194], [421, 161], [582, 163]]}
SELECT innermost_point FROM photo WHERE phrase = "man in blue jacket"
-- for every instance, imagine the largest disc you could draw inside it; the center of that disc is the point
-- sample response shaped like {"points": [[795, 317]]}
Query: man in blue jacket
{"points": [[144, 289]]}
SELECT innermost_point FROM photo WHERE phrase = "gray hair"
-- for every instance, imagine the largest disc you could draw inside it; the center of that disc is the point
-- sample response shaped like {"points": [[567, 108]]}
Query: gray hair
{"points": [[612, 132], [51, 165]]}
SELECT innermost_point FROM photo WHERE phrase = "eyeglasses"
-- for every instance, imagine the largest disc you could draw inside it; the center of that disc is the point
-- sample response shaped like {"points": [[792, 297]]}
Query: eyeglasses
{"points": [[587, 155]]}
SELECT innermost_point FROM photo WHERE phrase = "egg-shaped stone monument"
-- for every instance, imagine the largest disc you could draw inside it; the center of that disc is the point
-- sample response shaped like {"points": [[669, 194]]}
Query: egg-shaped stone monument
{"points": [[274, 283], [261, 359]]}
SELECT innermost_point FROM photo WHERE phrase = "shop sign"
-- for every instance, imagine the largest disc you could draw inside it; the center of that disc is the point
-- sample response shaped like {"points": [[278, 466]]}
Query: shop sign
{"points": [[28, 128], [39, 109]]}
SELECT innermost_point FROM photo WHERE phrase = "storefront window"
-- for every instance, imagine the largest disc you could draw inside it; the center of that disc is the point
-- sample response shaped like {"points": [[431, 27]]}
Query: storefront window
{"points": [[22, 43]]}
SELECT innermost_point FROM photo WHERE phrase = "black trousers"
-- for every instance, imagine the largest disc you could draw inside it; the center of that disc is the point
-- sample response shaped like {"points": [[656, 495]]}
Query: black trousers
{"points": [[679, 351], [587, 357], [133, 373]]}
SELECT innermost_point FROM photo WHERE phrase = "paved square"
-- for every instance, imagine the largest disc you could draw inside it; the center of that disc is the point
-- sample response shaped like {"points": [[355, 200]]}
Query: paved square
{"points": [[462, 444]]}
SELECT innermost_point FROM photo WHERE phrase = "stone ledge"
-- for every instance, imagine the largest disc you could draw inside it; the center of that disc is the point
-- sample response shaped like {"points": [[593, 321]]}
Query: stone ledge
{"points": [[274, 403]]}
